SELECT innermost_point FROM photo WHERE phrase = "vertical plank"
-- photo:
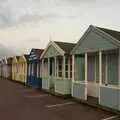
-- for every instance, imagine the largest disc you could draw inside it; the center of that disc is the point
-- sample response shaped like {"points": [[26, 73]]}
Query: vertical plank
{"points": [[86, 73], [48, 67], [69, 67], [55, 66], [95, 73], [100, 72], [100, 67], [86, 67], [119, 66], [63, 70], [73, 68], [119, 74], [106, 69], [42, 68]]}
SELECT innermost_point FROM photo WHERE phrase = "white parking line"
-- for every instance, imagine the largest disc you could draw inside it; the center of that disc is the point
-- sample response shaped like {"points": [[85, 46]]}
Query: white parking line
{"points": [[37, 96], [110, 118], [58, 105]]}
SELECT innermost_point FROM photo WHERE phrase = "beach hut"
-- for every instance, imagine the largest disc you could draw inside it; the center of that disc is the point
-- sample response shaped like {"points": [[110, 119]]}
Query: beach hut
{"points": [[1, 65], [57, 67], [9, 68], [15, 68], [0, 68], [4, 68], [22, 63], [33, 75], [96, 67]]}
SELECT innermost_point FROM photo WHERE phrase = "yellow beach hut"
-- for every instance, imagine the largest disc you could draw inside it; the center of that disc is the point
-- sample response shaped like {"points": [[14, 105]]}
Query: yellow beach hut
{"points": [[22, 63], [15, 68]]}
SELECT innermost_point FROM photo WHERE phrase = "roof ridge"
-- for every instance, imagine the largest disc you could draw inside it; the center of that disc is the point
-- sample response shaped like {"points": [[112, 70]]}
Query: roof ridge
{"points": [[64, 42], [108, 29]]}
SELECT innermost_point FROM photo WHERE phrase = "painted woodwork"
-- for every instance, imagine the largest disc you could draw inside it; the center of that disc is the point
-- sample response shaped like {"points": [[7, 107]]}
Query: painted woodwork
{"points": [[56, 79], [33, 74], [15, 68], [22, 62], [102, 70]]}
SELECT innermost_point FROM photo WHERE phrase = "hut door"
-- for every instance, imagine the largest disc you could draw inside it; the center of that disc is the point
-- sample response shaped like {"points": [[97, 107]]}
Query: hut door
{"points": [[52, 69], [93, 76]]}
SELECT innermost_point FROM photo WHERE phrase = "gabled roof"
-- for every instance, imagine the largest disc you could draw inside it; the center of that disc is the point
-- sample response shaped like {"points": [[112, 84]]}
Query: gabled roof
{"points": [[4, 60], [35, 54], [9, 60], [61, 47], [111, 37], [26, 56], [65, 46], [113, 33], [39, 52], [17, 57]]}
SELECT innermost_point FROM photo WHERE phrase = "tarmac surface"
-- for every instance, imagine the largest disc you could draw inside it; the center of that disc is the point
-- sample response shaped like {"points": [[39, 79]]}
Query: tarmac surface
{"points": [[19, 102]]}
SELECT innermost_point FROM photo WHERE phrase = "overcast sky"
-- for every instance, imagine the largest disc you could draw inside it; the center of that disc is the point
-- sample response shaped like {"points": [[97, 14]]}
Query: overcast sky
{"points": [[26, 24]]}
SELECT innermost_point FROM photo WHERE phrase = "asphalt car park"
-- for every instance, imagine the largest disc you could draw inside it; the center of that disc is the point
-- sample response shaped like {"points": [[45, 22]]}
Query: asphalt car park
{"points": [[19, 102]]}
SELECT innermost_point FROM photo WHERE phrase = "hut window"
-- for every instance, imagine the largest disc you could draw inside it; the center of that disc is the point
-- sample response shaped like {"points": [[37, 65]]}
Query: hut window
{"points": [[45, 69], [79, 68], [110, 69], [32, 69], [60, 67], [104, 66], [112, 66], [38, 70], [70, 67], [66, 68], [93, 68]]}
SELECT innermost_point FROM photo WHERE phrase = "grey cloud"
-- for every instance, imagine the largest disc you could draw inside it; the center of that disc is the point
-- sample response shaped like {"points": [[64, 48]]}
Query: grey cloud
{"points": [[79, 1], [33, 40], [5, 17], [76, 2], [6, 51], [2, 1], [11, 15], [37, 17]]}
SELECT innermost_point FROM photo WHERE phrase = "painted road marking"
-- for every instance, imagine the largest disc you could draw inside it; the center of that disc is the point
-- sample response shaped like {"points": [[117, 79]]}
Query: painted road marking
{"points": [[58, 105], [37, 96], [110, 118]]}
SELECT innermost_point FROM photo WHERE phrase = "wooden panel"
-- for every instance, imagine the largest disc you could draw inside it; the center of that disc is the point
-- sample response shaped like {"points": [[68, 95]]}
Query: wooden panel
{"points": [[113, 69], [79, 91], [93, 42], [109, 97], [63, 86], [51, 52], [79, 68], [103, 68], [91, 69]]}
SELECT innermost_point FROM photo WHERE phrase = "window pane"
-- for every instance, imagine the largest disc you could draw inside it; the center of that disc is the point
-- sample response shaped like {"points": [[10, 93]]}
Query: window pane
{"points": [[66, 68], [60, 74], [79, 68], [66, 74], [103, 68], [113, 69]]}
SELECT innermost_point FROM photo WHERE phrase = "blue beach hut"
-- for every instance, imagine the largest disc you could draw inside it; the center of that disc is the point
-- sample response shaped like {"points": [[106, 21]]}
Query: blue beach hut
{"points": [[33, 72]]}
